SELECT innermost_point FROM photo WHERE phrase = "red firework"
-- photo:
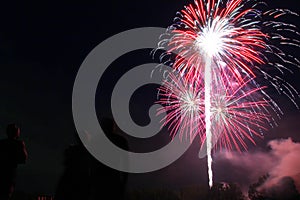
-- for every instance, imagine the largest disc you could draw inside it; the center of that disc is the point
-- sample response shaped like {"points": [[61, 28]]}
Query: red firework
{"points": [[205, 30]]}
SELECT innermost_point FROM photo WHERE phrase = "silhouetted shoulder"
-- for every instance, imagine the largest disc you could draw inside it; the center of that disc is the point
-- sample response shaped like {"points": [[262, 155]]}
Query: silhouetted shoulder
{"points": [[119, 140], [2, 146], [12, 152], [76, 156]]}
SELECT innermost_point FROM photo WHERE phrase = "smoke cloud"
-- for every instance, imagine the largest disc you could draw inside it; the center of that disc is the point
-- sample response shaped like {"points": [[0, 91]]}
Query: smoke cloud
{"points": [[280, 161]]}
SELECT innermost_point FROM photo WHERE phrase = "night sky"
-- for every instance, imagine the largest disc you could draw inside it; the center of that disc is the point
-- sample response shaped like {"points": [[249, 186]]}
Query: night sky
{"points": [[42, 45]]}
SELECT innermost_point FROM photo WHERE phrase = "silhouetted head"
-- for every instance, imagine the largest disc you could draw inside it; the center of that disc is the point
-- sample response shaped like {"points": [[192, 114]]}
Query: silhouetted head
{"points": [[13, 131], [108, 125]]}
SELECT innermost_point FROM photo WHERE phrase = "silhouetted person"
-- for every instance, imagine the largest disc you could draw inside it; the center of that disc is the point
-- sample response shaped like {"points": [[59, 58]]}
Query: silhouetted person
{"points": [[85, 178], [12, 153], [108, 183], [75, 181]]}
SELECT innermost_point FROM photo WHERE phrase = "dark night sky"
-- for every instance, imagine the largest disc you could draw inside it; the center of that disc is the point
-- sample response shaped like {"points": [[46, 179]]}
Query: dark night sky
{"points": [[42, 45]]}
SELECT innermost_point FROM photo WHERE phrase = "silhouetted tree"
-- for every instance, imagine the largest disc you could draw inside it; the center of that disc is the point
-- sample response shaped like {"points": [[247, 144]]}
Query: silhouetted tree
{"points": [[225, 191], [253, 192], [284, 189]]}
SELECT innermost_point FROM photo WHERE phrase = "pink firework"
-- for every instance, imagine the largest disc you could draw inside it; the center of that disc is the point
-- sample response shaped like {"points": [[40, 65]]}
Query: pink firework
{"points": [[183, 101], [239, 112]]}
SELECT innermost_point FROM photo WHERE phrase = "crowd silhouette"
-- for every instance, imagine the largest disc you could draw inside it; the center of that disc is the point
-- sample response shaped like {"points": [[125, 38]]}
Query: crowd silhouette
{"points": [[83, 178]]}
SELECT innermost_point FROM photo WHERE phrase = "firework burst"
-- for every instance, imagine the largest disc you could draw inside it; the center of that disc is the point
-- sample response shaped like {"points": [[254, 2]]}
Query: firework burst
{"points": [[235, 32], [220, 49], [183, 100], [238, 114]]}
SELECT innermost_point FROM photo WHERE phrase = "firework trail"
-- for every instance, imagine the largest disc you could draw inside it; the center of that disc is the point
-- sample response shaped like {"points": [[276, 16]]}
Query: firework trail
{"points": [[207, 86], [219, 44], [238, 112]]}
